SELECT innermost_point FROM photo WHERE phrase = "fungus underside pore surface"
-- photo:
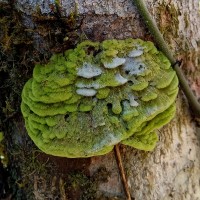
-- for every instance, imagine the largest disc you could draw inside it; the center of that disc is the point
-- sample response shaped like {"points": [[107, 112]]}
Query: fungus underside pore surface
{"points": [[90, 98]]}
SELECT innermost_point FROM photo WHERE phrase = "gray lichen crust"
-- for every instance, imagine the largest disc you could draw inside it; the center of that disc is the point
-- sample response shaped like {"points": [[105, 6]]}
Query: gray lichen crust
{"points": [[90, 98]]}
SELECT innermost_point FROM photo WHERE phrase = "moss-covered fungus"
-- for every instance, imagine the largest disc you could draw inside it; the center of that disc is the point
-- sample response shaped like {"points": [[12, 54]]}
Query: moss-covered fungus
{"points": [[90, 98]]}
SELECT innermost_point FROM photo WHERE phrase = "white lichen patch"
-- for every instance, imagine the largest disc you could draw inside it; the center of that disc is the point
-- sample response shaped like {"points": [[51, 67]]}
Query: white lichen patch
{"points": [[86, 92], [116, 62], [89, 70], [134, 66], [88, 85], [135, 53], [120, 79], [132, 100]]}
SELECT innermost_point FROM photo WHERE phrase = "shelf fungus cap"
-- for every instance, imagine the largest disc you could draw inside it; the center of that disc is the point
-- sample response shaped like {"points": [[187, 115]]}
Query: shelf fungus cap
{"points": [[90, 98]]}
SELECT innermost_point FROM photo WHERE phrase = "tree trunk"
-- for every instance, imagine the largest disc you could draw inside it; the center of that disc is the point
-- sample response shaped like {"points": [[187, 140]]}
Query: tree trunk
{"points": [[171, 171]]}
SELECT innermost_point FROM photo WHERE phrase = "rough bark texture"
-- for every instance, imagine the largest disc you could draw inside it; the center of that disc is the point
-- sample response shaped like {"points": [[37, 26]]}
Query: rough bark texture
{"points": [[172, 170]]}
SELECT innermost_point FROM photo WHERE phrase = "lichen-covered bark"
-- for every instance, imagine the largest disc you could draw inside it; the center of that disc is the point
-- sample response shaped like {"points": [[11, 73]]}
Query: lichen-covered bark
{"points": [[172, 170]]}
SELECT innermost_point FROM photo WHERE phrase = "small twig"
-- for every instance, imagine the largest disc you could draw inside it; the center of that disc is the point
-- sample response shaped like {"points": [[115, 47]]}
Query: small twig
{"points": [[121, 170], [162, 45]]}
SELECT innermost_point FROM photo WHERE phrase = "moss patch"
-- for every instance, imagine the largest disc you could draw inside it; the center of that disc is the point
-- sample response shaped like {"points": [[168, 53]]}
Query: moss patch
{"points": [[168, 24]]}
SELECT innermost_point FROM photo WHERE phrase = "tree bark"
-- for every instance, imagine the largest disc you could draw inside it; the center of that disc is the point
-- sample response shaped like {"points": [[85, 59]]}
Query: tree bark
{"points": [[172, 170]]}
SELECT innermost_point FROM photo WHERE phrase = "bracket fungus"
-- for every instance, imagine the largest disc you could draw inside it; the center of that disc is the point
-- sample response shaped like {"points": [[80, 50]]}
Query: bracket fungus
{"points": [[90, 98]]}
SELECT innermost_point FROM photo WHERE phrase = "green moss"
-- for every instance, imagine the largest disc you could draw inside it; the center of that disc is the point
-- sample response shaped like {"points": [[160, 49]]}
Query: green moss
{"points": [[78, 106], [149, 95], [87, 105], [116, 107], [129, 113], [103, 93], [168, 15], [139, 85], [146, 137]]}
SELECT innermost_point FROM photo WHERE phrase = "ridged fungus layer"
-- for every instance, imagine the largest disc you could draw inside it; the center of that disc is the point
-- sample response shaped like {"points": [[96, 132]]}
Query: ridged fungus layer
{"points": [[90, 98]]}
